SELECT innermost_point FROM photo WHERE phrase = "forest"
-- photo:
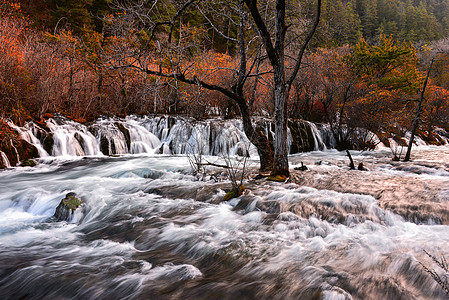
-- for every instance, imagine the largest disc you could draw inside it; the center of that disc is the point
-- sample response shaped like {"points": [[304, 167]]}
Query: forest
{"points": [[363, 69]]}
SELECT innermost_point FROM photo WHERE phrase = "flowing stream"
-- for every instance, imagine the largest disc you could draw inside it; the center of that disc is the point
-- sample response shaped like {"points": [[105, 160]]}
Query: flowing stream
{"points": [[150, 230]]}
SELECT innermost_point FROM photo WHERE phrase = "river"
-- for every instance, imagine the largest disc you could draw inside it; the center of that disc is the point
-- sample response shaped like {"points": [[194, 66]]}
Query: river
{"points": [[151, 230]]}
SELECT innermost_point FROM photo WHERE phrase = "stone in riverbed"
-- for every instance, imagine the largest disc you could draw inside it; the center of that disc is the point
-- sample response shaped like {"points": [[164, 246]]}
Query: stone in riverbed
{"points": [[28, 163], [67, 207], [234, 194]]}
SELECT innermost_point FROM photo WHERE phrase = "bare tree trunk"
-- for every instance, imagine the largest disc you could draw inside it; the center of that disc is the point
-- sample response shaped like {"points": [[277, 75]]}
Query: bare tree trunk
{"points": [[417, 114], [275, 53], [280, 164], [257, 138]]}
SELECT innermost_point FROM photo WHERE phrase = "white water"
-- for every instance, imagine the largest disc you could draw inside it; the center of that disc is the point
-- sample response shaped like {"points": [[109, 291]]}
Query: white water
{"points": [[5, 160], [28, 133], [152, 231], [158, 135]]}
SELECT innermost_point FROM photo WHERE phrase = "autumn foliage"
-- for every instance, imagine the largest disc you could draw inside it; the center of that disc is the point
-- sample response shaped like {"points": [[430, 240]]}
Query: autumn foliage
{"points": [[369, 86]]}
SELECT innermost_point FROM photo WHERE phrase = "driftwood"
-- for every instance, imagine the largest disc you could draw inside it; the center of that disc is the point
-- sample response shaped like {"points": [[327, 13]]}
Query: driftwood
{"points": [[351, 164], [212, 164]]}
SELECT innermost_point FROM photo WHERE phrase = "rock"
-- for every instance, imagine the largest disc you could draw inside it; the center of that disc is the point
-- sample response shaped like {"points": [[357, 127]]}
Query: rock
{"points": [[234, 194], [361, 167], [260, 176], [104, 145], [278, 178], [302, 167], [28, 163], [67, 207], [48, 143], [302, 136], [242, 152]]}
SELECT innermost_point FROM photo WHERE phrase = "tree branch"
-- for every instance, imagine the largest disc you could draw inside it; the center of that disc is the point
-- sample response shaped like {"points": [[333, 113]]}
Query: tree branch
{"points": [[304, 46]]}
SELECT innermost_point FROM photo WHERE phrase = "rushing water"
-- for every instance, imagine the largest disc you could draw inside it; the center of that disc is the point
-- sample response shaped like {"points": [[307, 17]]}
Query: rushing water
{"points": [[60, 136], [150, 230]]}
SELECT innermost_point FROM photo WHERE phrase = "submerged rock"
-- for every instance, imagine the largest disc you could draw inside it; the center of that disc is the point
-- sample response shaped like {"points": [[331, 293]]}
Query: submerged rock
{"points": [[67, 207], [361, 167]]}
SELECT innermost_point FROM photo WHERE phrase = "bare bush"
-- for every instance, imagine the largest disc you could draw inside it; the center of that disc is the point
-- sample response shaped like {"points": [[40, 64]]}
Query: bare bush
{"points": [[441, 274]]}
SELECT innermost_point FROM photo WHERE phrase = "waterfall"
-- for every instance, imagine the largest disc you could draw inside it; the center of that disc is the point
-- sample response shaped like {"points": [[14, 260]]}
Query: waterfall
{"points": [[5, 160], [317, 137], [71, 138], [60, 136], [30, 133], [141, 140]]}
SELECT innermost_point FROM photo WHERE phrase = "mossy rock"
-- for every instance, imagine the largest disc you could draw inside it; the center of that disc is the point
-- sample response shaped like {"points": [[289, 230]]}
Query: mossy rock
{"points": [[49, 143], [278, 178], [28, 163], [234, 194], [104, 145], [26, 150], [302, 136], [67, 207]]}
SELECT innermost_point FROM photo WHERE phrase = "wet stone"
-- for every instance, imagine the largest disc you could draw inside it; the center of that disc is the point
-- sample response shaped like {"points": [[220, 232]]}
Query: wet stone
{"points": [[67, 207]]}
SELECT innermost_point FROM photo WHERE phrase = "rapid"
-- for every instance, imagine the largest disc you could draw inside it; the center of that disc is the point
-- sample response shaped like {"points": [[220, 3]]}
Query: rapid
{"points": [[150, 229]]}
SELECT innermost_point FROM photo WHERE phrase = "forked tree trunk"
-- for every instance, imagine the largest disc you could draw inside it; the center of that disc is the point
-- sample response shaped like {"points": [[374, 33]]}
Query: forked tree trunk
{"points": [[257, 138]]}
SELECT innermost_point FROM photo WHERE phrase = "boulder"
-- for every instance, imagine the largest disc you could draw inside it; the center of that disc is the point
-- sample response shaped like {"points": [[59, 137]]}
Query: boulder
{"points": [[67, 207], [302, 167]]}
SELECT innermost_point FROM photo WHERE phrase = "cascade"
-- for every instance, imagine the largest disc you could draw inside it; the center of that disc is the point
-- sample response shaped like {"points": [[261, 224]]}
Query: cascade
{"points": [[5, 160], [163, 135], [317, 137], [30, 133], [72, 138]]}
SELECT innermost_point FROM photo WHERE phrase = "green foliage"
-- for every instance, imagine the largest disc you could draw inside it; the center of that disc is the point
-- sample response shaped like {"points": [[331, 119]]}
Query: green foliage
{"points": [[277, 178], [343, 21], [347, 21], [390, 65]]}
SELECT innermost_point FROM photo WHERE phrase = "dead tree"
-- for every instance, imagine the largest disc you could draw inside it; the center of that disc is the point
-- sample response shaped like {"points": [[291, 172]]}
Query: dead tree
{"points": [[418, 113]]}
